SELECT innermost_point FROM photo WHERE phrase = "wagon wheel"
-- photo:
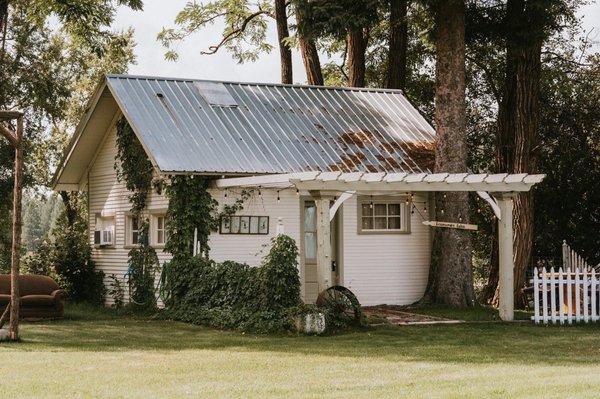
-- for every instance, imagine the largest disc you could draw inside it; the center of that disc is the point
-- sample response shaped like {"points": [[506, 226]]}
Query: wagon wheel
{"points": [[342, 300]]}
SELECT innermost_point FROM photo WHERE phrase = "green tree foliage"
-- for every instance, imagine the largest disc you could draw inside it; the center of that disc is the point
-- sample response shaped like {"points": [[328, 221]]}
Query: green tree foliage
{"points": [[67, 257], [244, 35], [52, 54], [568, 202], [39, 217]]}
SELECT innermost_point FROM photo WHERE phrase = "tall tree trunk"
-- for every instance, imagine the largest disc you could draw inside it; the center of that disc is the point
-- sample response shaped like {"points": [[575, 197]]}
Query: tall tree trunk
{"points": [[357, 46], [285, 53], [451, 276], [518, 119], [398, 32], [308, 50]]}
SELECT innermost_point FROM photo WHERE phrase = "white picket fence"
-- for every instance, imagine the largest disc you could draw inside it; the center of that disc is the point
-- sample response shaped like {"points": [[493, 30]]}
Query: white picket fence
{"points": [[569, 294], [565, 296]]}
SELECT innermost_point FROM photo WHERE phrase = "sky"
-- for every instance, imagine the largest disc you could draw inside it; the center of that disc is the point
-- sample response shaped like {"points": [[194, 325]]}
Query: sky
{"points": [[220, 66]]}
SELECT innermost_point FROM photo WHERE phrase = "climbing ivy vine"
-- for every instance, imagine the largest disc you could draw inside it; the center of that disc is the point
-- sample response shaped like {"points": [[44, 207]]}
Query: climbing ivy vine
{"points": [[192, 207], [135, 169], [133, 166]]}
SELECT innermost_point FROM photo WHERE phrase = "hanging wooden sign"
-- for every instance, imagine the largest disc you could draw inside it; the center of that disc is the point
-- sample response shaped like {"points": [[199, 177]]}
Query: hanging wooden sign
{"points": [[450, 225]]}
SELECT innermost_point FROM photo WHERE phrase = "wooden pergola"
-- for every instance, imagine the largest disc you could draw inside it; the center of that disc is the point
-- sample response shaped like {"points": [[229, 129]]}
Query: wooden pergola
{"points": [[331, 189], [14, 134]]}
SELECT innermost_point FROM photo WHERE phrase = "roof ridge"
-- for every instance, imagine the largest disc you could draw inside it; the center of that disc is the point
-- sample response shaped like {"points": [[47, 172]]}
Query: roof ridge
{"points": [[164, 78]]}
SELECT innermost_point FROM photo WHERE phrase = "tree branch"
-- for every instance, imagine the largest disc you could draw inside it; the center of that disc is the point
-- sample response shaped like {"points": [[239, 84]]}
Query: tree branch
{"points": [[234, 33], [488, 77], [10, 136]]}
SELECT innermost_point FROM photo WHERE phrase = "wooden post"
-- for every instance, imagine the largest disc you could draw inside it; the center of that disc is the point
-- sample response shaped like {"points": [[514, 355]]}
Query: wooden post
{"points": [[323, 241], [565, 255], [16, 139], [506, 267]]}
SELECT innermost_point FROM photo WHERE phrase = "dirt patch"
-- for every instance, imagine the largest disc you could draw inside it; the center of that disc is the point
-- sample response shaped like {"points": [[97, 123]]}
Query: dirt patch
{"points": [[395, 315]]}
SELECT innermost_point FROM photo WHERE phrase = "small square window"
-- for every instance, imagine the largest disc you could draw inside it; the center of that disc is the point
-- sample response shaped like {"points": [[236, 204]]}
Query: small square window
{"points": [[378, 215]]}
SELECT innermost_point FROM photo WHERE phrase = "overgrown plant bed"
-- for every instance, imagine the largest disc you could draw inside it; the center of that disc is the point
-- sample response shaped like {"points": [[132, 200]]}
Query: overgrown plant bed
{"points": [[232, 295]]}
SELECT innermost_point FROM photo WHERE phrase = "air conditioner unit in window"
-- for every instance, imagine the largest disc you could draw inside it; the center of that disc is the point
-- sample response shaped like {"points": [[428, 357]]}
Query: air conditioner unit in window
{"points": [[104, 237]]}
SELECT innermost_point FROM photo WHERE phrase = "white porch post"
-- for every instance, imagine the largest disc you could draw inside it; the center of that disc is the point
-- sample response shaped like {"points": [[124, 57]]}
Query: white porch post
{"points": [[323, 241], [506, 261]]}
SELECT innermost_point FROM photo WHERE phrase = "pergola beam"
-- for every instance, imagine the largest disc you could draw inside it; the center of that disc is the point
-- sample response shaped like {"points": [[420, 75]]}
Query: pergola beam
{"points": [[388, 182]]}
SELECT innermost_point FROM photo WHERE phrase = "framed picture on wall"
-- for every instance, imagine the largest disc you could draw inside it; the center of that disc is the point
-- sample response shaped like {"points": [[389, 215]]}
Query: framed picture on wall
{"points": [[244, 224]]}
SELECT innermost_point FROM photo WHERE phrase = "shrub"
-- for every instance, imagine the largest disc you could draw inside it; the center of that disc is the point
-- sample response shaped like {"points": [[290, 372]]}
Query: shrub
{"points": [[67, 258], [234, 295], [116, 292]]}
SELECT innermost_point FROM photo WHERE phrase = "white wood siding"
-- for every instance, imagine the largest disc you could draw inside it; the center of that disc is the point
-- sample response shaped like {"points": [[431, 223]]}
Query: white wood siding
{"points": [[385, 268]]}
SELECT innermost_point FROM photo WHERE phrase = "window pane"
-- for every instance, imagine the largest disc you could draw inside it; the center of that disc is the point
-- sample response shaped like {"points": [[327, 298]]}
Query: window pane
{"points": [[244, 224], [254, 225], [380, 209], [367, 209], [235, 224], [310, 245], [225, 225], [160, 239], [394, 223], [380, 223], [160, 221], [310, 218], [394, 209], [134, 237], [264, 225], [134, 224], [367, 223]]}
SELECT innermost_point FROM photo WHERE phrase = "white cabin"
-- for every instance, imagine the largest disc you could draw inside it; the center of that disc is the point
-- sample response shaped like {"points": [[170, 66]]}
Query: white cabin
{"points": [[346, 172]]}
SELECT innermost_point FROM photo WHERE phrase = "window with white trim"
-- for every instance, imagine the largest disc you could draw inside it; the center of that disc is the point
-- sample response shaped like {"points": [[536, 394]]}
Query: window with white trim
{"points": [[133, 230], [160, 230], [382, 215]]}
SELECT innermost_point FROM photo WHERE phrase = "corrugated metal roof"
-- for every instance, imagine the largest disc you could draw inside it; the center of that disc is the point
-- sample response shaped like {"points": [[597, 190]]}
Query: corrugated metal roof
{"points": [[272, 128]]}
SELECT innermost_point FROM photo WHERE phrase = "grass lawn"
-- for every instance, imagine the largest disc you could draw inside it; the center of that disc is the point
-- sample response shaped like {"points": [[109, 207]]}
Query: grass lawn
{"points": [[96, 354]]}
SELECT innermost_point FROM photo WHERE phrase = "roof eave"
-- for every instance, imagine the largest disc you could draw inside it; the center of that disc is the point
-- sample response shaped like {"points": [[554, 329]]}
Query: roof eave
{"points": [[90, 107]]}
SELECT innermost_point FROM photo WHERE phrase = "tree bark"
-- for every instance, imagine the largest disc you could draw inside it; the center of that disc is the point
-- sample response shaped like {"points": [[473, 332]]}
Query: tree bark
{"points": [[518, 120], [357, 46], [451, 277], [398, 32], [285, 53], [308, 50]]}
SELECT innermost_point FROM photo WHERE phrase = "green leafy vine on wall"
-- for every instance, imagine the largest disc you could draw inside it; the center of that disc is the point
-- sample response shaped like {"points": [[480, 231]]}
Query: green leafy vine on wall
{"points": [[191, 207], [133, 166], [135, 169]]}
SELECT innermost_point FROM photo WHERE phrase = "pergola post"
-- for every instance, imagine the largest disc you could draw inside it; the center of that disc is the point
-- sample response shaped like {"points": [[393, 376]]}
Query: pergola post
{"points": [[323, 204], [506, 261]]}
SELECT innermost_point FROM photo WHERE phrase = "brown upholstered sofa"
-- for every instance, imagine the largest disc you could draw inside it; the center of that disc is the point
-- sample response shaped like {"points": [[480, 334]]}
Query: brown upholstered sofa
{"points": [[41, 298]]}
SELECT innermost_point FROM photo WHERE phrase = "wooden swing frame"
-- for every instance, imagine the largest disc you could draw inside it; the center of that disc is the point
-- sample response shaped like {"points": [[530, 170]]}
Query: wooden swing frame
{"points": [[14, 135]]}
